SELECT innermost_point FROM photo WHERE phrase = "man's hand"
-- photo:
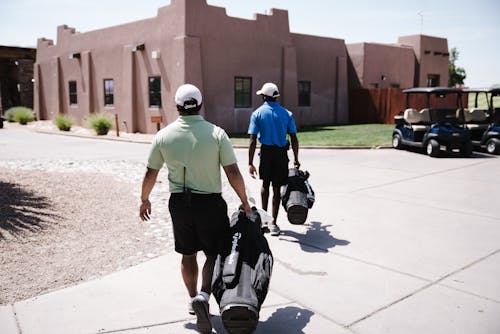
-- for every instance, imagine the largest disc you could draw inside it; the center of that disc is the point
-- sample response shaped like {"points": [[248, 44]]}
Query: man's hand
{"points": [[296, 163], [246, 207], [145, 210], [253, 171]]}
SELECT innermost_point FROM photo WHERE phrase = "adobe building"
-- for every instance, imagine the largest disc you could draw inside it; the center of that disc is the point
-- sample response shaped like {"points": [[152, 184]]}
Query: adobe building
{"points": [[16, 77], [382, 65], [134, 69], [415, 61], [432, 58]]}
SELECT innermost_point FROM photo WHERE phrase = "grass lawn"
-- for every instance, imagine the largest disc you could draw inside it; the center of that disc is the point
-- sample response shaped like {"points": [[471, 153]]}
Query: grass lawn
{"points": [[337, 135], [482, 101]]}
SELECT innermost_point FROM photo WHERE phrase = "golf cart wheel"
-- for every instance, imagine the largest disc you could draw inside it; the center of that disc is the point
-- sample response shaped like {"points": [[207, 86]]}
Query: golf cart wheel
{"points": [[493, 146], [396, 141], [432, 148], [466, 150]]}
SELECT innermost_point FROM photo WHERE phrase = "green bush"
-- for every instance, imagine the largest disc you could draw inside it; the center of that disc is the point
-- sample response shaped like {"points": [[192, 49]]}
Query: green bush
{"points": [[63, 122], [101, 123], [22, 115], [9, 115]]}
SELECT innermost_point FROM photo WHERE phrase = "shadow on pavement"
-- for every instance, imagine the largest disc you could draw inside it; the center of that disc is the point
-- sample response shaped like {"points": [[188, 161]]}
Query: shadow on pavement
{"points": [[316, 239], [284, 320], [22, 211]]}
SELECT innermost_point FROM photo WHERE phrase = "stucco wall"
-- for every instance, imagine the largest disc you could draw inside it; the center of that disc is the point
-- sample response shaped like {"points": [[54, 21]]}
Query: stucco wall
{"points": [[107, 54], [383, 65], [237, 47], [432, 55], [199, 44], [389, 65], [356, 52], [326, 68]]}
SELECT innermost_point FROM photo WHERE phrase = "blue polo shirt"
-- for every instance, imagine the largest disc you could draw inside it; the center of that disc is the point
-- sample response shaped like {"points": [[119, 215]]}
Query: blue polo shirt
{"points": [[271, 123]]}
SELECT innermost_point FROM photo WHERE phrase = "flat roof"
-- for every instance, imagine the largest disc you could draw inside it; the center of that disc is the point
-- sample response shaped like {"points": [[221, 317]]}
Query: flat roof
{"points": [[428, 90]]}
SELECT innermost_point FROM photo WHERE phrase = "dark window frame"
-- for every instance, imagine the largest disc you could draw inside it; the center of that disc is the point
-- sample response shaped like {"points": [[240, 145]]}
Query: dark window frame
{"points": [[154, 89], [433, 80], [242, 92], [73, 92], [109, 92], [304, 93]]}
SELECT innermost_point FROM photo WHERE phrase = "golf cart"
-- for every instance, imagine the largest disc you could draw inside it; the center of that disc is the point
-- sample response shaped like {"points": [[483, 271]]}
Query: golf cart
{"points": [[433, 126], [483, 124]]}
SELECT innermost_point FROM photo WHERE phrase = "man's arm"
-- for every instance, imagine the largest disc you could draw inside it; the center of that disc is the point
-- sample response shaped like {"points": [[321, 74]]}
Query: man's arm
{"points": [[236, 180], [295, 149], [251, 153], [147, 186]]}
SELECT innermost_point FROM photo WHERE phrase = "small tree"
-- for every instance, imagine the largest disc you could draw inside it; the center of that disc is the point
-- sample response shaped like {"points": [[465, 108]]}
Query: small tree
{"points": [[457, 74]]}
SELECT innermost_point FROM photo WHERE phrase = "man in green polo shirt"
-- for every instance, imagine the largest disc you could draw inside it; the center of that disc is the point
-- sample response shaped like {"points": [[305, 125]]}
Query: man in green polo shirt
{"points": [[193, 151]]}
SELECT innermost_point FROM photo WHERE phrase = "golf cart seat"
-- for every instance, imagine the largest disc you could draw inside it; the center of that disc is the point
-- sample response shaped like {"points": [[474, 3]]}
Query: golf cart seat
{"points": [[476, 118], [419, 121]]}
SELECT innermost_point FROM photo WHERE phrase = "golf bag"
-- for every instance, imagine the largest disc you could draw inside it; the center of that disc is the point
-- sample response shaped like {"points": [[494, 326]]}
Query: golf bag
{"points": [[297, 196], [242, 273]]}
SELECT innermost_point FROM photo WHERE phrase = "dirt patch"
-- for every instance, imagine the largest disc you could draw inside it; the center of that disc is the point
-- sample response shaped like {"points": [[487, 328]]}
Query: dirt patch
{"points": [[58, 229]]}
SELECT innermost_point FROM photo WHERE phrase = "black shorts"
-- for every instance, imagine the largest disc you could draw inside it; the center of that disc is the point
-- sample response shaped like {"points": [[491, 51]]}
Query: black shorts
{"points": [[199, 224], [273, 166]]}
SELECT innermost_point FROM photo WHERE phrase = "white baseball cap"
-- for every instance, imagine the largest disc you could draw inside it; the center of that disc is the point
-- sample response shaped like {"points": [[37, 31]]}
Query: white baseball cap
{"points": [[269, 89], [188, 96]]}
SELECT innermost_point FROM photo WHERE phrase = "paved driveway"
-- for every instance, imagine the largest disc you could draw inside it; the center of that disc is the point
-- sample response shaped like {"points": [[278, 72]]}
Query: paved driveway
{"points": [[397, 242]]}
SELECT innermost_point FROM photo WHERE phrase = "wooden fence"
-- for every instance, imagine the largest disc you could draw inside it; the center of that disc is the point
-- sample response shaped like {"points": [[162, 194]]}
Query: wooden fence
{"points": [[380, 105]]}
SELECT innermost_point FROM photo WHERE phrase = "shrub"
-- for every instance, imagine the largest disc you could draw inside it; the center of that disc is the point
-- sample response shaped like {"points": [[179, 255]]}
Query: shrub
{"points": [[101, 123], [22, 115], [63, 122], [9, 115]]}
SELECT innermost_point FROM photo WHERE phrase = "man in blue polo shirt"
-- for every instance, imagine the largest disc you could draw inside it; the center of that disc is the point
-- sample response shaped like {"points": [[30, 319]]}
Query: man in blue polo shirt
{"points": [[270, 124]]}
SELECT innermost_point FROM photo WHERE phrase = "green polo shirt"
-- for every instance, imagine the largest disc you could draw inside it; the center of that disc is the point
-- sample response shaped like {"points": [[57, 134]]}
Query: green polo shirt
{"points": [[193, 150]]}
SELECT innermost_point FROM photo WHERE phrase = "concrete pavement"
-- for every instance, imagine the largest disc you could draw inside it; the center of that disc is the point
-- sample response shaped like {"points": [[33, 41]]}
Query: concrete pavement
{"points": [[397, 242]]}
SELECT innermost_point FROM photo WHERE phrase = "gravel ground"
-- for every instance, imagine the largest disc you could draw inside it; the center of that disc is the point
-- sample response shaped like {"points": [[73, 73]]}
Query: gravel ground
{"points": [[64, 222]]}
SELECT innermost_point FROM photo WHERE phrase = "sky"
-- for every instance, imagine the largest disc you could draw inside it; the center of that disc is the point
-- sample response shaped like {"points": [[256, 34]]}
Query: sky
{"points": [[472, 27]]}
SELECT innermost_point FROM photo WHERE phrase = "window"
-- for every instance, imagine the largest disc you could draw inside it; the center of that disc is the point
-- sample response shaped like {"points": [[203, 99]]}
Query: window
{"points": [[109, 92], [432, 80], [73, 97], [242, 92], [304, 93], [395, 85], [155, 91]]}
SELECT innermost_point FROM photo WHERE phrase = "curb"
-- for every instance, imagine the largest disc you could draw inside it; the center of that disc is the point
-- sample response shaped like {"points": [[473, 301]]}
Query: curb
{"points": [[139, 141], [239, 146]]}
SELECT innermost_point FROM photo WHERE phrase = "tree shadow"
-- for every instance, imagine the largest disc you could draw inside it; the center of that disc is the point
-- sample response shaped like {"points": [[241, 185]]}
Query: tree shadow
{"points": [[285, 320], [23, 211], [316, 239]]}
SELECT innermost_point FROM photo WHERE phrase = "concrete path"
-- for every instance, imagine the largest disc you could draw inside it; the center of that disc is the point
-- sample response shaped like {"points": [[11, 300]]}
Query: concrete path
{"points": [[397, 242]]}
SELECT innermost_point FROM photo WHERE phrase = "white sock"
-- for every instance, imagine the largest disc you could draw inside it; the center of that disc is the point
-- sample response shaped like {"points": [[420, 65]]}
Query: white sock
{"points": [[205, 295]]}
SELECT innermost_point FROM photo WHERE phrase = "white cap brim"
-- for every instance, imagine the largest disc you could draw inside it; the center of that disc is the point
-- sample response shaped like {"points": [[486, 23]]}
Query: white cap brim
{"points": [[259, 92]]}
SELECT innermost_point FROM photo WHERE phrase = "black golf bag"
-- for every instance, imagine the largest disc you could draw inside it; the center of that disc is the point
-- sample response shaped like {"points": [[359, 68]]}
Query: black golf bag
{"points": [[297, 196], [242, 273]]}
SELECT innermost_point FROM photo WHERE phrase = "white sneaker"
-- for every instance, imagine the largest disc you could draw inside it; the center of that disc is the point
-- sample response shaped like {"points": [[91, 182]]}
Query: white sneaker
{"points": [[201, 309], [274, 229]]}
